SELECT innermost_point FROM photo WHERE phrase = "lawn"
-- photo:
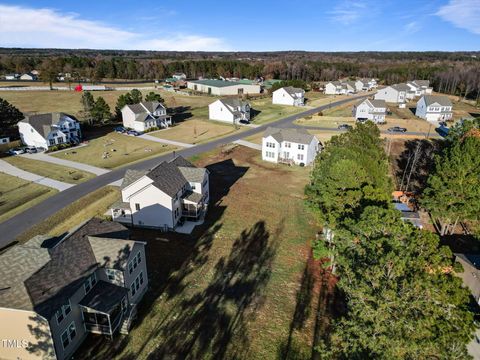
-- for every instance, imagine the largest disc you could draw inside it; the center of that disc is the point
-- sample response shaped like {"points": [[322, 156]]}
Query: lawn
{"points": [[267, 112], [196, 131], [52, 171], [240, 287], [16, 195], [93, 204], [121, 149]]}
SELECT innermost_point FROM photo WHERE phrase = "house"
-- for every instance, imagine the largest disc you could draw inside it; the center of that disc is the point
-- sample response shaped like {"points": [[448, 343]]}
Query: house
{"points": [[145, 115], [334, 88], [288, 95], [295, 146], [374, 110], [223, 87], [361, 85], [350, 87], [179, 76], [53, 292], [163, 197], [434, 108], [420, 87], [229, 110], [471, 273], [12, 76], [46, 130], [393, 94], [28, 76]]}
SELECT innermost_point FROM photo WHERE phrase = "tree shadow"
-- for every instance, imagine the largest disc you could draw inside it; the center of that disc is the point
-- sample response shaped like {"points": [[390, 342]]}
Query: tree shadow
{"points": [[254, 113], [180, 113], [43, 348]]}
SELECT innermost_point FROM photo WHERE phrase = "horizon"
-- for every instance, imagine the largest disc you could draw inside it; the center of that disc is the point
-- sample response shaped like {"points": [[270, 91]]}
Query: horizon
{"points": [[346, 26]]}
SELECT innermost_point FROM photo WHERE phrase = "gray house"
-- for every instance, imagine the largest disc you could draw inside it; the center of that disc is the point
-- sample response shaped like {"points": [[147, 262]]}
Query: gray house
{"points": [[53, 292]]}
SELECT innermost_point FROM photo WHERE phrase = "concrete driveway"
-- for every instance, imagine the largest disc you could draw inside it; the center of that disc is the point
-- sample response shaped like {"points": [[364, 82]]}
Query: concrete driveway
{"points": [[73, 164]]}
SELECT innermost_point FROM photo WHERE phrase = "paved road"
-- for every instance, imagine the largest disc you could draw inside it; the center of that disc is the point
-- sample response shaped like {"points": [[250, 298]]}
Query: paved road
{"points": [[432, 134], [20, 223], [9, 169]]}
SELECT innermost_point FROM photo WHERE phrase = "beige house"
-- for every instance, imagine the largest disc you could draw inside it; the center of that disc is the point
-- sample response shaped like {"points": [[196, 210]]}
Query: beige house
{"points": [[54, 291], [223, 87]]}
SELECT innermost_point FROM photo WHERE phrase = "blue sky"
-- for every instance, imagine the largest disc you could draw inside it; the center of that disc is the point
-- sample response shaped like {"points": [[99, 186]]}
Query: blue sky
{"points": [[260, 25]]}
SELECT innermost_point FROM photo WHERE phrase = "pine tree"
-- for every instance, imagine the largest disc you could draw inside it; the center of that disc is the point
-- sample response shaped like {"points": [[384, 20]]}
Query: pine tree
{"points": [[101, 111], [9, 117], [136, 96], [152, 96]]}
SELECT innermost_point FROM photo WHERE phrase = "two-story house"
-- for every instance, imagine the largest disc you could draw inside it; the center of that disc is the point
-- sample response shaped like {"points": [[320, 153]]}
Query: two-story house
{"points": [[288, 95], [229, 110], [291, 146], [53, 292], [398, 93], [434, 108], [145, 115], [163, 197], [335, 88], [46, 130], [420, 87], [368, 109]]}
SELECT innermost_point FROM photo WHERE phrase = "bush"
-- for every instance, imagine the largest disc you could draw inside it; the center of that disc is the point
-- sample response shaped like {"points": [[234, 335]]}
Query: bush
{"points": [[307, 117], [457, 267], [52, 148], [320, 113], [155, 128]]}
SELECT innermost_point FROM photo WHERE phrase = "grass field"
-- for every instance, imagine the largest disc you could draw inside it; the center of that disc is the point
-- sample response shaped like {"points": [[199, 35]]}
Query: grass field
{"points": [[17, 195], [242, 286], [269, 112], [94, 204], [122, 149], [52, 171], [196, 131]]}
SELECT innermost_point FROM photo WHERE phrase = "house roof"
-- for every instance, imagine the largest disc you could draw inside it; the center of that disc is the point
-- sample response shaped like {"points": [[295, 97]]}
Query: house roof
{"points": [[373, 103], [439, 99], [193, 174], [293, 91], [144, 107], [216, 83], [43, 123], [49, 271], [104, 297], [131, 176], [425, 83], [401, 87], [192, 196], [297, 135], [111, 254]]}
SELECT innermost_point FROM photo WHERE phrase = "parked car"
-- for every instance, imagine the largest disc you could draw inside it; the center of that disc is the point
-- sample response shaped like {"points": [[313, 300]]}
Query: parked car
{"points": [[362, 120], [397, 129], [344, 127], [31, 149], [16, 151], [120, 129], [133, 133], [245, 122]]}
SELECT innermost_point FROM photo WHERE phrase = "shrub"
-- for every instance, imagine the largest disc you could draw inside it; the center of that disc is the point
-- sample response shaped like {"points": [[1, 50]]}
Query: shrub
{"points": [[457, 267]]}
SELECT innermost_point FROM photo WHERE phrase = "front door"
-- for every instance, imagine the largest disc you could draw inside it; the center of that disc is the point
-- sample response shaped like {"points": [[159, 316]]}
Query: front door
{"points": [[286, 155]]}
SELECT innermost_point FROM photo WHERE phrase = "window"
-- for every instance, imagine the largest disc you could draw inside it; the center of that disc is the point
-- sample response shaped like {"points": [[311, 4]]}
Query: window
{"points": [[137, 206], [301, 147], [132, 265], [288, 145], [300, 156], [270, 145], [89, 283], [63, 312], [52, 141], [193, 186], [137, 283], [110, 274], [68, 335]]}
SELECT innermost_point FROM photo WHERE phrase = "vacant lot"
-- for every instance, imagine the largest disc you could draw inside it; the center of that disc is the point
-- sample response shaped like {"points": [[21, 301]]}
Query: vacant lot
{"points": [[242, 286], [91, 205], [114, 150], [17, 195], [52, 171], [263, 111], [196, 131]]}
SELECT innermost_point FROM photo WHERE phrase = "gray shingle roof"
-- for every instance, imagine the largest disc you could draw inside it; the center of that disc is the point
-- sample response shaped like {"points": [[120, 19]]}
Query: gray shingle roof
{"points": [[439, 99], [401, 87], [425, 83], [42, 123], [233, 102], [131, 176], [192, 196], [193, 174], [293, 91], [111, 254], [297, 135], [168, 178], [144, 107]]}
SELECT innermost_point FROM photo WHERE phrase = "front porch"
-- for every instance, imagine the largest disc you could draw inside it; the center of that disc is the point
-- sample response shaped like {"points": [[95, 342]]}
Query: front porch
{"points": [[120, 211]]}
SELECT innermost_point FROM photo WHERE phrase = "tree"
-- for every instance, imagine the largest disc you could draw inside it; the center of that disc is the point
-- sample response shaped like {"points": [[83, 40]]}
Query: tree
{"points": [[101, 111], [453, 188], [49, 72], [88, 103], [152, 96], [124, 99], [9, 117], [295, 83], [136, 96]]}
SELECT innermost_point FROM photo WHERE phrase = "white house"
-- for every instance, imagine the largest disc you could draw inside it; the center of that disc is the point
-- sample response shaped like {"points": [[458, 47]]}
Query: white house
{"points": [[288, 96], [434, 108], [393, 94], [335, 88], [179, 76], [46, 130], [361, 85], [420, 87], [161, 197], [223, 87], [28, 76], [229, 110], [296, 146], [12, 76], [374, 110], [145, 115]]}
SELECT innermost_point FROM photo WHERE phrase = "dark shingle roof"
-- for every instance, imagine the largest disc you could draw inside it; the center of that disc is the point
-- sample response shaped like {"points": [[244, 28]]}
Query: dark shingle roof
{"points": [[42, 123], [144, 107], [168, 178], [439, 99], [297, 135], [104, 297]]}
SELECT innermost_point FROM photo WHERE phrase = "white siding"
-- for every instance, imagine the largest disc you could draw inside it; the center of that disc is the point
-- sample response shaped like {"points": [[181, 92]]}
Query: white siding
{"points": [[30, 136], [234, 89], [156, 208], [218, 111]]}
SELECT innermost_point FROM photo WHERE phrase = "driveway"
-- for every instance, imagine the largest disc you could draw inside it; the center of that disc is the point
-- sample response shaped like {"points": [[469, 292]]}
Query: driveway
{"points": [[165, 141], [20, 223], [9, 169], [249, 144]]}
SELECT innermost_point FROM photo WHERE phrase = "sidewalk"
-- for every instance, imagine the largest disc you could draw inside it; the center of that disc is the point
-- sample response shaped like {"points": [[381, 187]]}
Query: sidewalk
{"points": [[164, 141], [73, 164], [12, 170], [248, 144]]}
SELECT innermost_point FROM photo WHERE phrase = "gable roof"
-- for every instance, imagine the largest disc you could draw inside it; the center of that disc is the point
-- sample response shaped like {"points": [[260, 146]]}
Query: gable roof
{"points": [[293, 91], [296, 135], [233, 102], [52, 271], [42, 123], [425, 83], [400, 87], [131, 176], [442, 100], [144, 107]]}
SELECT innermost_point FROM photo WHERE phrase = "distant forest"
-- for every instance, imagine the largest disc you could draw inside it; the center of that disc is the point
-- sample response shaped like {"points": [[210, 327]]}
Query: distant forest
{"points": [[455, 73]]}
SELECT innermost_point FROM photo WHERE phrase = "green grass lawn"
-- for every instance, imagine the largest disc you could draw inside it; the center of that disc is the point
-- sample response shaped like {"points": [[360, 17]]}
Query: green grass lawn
{"points": [[52, 171], [234, 288], [269, 112], [121, 149], [17, 195]]}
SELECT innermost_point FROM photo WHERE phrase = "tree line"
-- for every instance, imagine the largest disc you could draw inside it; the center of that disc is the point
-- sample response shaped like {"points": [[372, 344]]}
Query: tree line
{"points": [[401, 297]]}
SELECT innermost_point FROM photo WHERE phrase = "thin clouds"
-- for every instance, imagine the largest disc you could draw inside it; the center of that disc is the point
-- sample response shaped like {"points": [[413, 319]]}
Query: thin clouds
{"points": [[464, 14], [47, 28], [348, 12]]}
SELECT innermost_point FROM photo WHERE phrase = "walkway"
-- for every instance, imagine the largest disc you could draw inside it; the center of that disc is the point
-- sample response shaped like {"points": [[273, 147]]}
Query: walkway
{"points": [[73, 164], [9, 169], [165, 141], [248, 144]]}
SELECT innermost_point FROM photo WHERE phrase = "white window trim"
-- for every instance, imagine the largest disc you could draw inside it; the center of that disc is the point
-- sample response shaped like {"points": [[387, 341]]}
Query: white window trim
{"points": [[67, 330]]}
